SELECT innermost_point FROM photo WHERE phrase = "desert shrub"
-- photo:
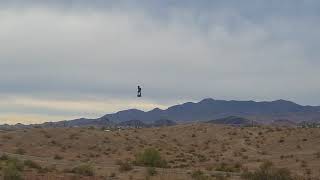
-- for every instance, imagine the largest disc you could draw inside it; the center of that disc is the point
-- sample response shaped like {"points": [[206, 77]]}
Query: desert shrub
{"points": [[113, 174], [73, 136], [129, 148], [245, 157], [150, 157], [11, 172], [125, 166], [304, 164], [45, 170], [57, 157], [151, 171], [228, 168], [266, 172], [46, 135], [20, 151], [221, 177], [4, 157], [11, 168], [7, 137], [32, 164], [53, 142], [202, 158], [12, 162], [199, 175], [85, 169]]}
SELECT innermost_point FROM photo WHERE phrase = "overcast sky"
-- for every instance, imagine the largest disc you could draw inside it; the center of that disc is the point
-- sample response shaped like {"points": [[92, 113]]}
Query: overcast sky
{"points": [[64, 59]]}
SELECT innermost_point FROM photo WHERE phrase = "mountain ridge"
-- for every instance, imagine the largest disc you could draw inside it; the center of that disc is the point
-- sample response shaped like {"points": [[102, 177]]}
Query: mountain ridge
{"points": [[208, 109], [263, 112]]}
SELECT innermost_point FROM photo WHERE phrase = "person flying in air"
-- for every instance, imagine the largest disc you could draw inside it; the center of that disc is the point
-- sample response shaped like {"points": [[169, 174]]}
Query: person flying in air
{"points": [[139, 91]]}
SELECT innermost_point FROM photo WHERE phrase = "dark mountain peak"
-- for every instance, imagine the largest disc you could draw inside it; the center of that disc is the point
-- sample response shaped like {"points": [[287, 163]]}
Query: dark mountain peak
{"points": [[128, 113], [103, 118], [281, 101], [156, 110], [180, 106], [188, 103], [207, 100], [131, 111]]}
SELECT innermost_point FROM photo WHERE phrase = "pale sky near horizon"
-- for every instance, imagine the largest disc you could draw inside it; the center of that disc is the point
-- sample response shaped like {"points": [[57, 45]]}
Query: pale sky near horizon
{"points": [[65, 59]]}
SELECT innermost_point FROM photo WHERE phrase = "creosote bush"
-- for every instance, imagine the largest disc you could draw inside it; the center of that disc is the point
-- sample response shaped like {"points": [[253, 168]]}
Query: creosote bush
{"points": [[11, 168], [266, 172], [124, 166], [20, 151], [151, 171], [85, 169], [229, 168], [32, 164], [57, 157], [11, 172], [199, 175], [151, 158]]}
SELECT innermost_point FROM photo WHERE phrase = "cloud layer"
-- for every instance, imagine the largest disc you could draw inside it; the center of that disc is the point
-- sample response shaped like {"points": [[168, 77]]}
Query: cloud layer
{"points": [[66, 59]]}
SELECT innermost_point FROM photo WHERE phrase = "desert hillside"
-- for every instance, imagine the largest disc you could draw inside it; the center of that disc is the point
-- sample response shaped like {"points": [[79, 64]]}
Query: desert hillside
{"points": [[189, 151]]}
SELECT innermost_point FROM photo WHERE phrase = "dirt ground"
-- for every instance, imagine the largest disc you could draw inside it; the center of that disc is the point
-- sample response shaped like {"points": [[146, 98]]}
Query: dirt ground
{"points": [[186, 148]]}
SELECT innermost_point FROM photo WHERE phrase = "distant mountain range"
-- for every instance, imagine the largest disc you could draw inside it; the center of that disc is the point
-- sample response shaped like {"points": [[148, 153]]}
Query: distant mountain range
{"points": [[209, 109], [203, 111]]}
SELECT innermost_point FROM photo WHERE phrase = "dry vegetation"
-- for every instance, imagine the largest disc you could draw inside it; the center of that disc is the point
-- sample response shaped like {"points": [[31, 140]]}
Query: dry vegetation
{"points": [[193, 151]]}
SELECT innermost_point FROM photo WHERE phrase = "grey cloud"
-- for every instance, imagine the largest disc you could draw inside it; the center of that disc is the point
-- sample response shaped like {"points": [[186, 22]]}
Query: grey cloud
{"points": [[177, 51]]}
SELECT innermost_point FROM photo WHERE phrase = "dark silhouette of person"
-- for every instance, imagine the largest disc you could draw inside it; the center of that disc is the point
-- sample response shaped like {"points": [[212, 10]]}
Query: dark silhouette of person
{"points": [[139, 91]]}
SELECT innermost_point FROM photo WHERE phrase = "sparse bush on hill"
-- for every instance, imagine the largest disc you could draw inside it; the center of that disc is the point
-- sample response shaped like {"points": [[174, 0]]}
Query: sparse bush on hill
{"points": [[58, 157], [14, 162], [32, 164], [281, 140], [85, 169], [113, 175], [202, 158], [124, 166], [199, 175], [304, 164], [11, 168], [11, 172], [267, 172], [229, 168], [4, 157], [20, 151], [46, 134], [73, 136], [7, 137], [150, 157], [151, 171]]}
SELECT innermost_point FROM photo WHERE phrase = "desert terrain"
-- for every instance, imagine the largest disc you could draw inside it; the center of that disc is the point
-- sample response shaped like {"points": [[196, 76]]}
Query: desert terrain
{"points": [[190, 151]]}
